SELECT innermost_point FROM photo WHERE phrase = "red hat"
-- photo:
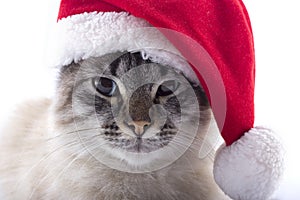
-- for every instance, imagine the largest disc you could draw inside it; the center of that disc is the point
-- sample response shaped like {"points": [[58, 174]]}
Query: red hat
{"points": [[216, 38]]}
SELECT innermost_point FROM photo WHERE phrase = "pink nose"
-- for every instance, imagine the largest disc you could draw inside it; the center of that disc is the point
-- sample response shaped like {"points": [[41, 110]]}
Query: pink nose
{"points": [[139, 127]]}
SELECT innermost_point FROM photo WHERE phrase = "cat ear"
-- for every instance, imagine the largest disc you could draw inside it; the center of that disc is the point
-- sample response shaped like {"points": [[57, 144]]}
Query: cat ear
{"points": [[215, 37]]}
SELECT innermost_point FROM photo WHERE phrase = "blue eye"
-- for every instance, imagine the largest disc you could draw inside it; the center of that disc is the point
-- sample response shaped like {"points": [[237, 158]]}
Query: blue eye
{"points": [[105, 86]]}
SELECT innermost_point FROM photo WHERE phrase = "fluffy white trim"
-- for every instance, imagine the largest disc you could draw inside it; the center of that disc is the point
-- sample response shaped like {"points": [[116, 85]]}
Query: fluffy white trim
{"points": [[250, 168], [85, 35]]}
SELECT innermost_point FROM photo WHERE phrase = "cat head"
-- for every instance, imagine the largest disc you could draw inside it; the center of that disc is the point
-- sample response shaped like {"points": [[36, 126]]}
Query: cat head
{"points": [[126, 110]]}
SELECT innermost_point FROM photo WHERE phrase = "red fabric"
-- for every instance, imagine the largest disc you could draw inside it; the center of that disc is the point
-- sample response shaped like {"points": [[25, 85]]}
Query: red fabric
{"points": [[73, 7], [223, 28]]}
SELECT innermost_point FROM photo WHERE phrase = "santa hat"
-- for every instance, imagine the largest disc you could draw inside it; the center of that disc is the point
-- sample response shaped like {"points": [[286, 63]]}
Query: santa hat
{"points": [[215, 37]]}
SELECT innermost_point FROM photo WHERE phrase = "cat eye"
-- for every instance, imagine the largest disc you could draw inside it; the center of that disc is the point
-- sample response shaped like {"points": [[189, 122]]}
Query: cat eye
{"points": [[167, 88], [105, 86]]}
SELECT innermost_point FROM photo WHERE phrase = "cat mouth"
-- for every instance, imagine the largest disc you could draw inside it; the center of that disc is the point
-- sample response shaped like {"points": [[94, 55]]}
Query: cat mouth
{"points": [[141, 145], [138, 146]]}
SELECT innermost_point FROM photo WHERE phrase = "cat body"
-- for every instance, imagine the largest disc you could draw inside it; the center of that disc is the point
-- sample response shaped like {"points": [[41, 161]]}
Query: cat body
{"points": [[81, 145]]}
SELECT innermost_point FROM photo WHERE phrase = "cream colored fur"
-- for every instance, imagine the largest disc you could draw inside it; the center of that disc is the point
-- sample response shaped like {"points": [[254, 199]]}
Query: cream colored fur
{"points": [[33, 166]]}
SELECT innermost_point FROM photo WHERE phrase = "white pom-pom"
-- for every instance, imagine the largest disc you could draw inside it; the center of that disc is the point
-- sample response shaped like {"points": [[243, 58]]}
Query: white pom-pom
{"points": [[250, 168]]}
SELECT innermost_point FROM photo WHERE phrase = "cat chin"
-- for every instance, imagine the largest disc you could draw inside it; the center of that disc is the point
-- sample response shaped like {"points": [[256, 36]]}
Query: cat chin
{"points": [[137, 159], [132, 162], [139, 162]]}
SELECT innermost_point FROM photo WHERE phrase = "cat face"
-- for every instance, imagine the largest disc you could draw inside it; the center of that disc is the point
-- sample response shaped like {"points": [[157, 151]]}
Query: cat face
{"points": [[123, 108]]}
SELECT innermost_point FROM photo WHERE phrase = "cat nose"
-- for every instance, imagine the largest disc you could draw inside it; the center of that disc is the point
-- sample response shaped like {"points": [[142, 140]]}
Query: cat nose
{"points": [[139, 127]]}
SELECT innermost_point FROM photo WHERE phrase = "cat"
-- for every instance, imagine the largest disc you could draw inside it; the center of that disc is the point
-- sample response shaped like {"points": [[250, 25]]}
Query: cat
{"points": [[119, 127]]}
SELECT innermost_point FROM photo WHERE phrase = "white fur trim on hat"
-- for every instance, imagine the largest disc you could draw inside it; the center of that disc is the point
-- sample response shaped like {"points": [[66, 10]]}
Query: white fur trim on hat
{"points": [[250, 168], [85, 35]]}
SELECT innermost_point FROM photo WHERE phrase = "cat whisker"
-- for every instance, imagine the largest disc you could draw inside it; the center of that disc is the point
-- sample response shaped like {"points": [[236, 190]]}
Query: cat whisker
{"points": [[69, 164], [193, 149], [201, 138], [44, 158], [196, 150], [93, 146], [89, 137], [73, 132], [184, 145], [50, 171], [82, 166]]}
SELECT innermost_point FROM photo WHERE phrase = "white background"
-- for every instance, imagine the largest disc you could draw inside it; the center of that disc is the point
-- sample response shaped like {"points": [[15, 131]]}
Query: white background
{"points": [[276, 25]]}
